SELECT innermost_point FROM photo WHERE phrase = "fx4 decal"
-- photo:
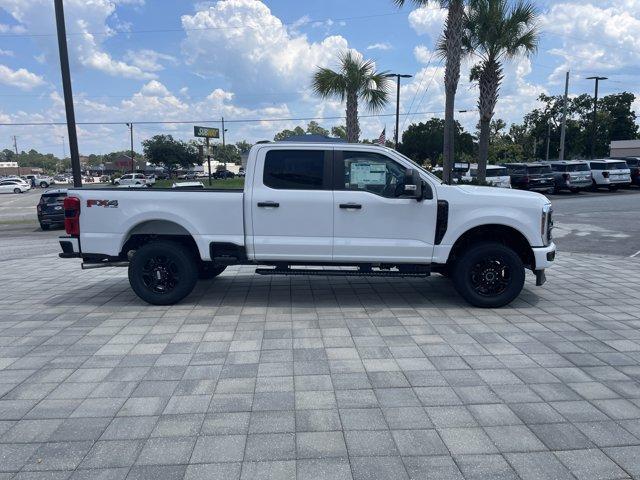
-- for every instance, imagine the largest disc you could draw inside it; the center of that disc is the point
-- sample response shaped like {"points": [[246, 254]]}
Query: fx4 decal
{"points": [[102, 203]]}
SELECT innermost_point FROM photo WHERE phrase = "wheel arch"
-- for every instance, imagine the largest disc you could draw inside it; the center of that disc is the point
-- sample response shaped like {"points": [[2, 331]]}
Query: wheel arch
{"points": [[505, 234], [149, 230]]}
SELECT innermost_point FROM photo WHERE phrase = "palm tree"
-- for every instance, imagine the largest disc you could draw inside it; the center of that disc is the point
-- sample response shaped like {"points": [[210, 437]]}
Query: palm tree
{"points": [[451, 49], [495, 32], [356, 79]]}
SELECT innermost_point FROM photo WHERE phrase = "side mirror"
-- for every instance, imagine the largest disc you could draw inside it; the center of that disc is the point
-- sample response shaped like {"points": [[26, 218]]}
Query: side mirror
{"points": [[412, 184]]}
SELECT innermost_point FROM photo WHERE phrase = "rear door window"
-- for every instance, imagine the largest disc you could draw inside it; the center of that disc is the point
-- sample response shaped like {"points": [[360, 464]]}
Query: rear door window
{"points": [[578, 167], [295, 170], [539, 169]]}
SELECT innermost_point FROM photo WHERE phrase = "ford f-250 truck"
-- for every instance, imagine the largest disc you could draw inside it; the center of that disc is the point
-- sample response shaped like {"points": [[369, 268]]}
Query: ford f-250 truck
{"points": [[351, 209]]}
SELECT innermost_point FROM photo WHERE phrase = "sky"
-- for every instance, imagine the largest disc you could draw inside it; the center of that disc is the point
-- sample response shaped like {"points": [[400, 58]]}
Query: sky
{"points": [[252, 61]]}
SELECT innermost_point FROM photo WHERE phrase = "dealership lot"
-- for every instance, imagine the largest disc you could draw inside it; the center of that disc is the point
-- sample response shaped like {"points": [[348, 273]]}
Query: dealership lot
{"points": [[259, 377]]}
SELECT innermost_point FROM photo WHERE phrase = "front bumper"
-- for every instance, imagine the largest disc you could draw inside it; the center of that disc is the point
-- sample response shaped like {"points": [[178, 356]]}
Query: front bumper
{"points": [[70, 247], [544, 256]]}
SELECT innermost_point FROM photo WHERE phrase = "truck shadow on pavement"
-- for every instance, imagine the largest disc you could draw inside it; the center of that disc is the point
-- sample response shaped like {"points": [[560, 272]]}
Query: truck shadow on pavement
{"points": [[239, 290]]}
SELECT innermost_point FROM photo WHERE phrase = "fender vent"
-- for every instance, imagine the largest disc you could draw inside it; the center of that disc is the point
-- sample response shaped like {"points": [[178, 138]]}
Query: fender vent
{"points": [[442, 221]]}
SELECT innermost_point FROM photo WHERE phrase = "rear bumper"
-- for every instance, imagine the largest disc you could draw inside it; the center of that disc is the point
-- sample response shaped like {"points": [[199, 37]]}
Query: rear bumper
{"points": [[70, 247], [51, 219], [544, 256]]}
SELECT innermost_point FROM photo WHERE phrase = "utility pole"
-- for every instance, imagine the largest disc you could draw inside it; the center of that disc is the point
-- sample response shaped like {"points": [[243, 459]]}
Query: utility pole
{"points": [[133, 163], [68, 94], [208, 159], [563, 129], [223, 130], [594, 125], [398, 76], [15, 147], [548, 139]]}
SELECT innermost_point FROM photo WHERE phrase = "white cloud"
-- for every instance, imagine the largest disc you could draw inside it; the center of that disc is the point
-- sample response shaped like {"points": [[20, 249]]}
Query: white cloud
{"points": [[6, 53], [428, 21], [594, 38], [423, 54], [380, 46], [243, 42], [149, 60], [21, 78], [87, 21]]}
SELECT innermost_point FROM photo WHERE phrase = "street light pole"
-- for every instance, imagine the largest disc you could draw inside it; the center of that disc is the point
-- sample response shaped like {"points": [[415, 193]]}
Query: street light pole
{"points": [[68, 94], [398, 76], [133, 163], [563, 130], [594, 125]]}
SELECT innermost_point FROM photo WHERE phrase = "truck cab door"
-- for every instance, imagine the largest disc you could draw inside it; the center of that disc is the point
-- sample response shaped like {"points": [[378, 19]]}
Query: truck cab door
{"points": [[373, 219], [292, 205]]}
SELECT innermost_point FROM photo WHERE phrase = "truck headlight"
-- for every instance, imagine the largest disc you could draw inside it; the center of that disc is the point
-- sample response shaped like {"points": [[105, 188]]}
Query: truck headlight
{"points": [[546, 224]]}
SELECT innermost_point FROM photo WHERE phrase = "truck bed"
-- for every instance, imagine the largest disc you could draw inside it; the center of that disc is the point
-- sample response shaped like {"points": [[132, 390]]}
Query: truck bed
{"points": [[109, 216]]}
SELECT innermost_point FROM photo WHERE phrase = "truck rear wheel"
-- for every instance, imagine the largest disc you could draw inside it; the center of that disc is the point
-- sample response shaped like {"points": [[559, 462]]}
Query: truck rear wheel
{"points": [[489, 275], [163, 272]]}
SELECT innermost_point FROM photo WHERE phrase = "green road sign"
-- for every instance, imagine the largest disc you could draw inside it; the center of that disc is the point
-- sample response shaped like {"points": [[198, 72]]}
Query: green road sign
{"points": [[206, 132]]}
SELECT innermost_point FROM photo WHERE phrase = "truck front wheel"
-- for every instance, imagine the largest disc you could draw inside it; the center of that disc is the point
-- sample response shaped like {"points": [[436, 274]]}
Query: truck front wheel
{"points": [[488, 275], [163, 272]]}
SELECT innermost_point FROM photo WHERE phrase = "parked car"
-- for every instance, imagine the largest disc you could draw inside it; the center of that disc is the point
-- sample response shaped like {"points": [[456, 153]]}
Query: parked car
{"points": [[187, 176], [241, 172], [531, 176], [60, 179], [572, 175], [151, 180], [634, 168], [364, 207], [51, 208], [223, 174], [131, 179], [14, 186], [497, 175], [608, 173], [42, 181]]}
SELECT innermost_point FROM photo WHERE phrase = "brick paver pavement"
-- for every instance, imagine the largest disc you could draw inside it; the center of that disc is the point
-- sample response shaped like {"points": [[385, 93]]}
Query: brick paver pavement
{"points": [[319, 378]]}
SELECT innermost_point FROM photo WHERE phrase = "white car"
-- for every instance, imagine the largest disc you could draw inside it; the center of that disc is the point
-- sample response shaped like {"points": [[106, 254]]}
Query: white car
{"points": [[609, 173], [497, 176], [14, 186], [131, 179], [354, 209], [42, 181]]}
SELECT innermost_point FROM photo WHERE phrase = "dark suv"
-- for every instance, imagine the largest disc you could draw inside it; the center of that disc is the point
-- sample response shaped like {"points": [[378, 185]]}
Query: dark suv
{"points": [[51, 209], [531, 176], [634, 166], [572, 175]]}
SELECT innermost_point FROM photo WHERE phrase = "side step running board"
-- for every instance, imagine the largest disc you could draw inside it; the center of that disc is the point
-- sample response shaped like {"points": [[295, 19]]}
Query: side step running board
{"points": [[342, 273]]}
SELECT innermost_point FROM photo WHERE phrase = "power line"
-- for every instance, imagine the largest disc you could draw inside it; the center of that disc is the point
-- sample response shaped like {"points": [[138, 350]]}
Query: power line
{"points": [[415, 95], [240, 27], [216, 121], [428, 86]]}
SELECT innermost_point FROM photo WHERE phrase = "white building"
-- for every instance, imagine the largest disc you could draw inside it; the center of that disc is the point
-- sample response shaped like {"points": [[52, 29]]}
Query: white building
{"points": [[625, 148]]}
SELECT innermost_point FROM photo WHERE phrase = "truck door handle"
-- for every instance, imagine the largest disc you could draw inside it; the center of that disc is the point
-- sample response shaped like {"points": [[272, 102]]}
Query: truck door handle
{"points": [[354, 206], [268, 204]]}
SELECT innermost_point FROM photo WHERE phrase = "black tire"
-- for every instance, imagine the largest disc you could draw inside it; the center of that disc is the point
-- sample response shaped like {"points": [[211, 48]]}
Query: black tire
{"points": [[44, 185], [17, 190], [171, 261], [472, 279], [207, 270], [45, 226]]}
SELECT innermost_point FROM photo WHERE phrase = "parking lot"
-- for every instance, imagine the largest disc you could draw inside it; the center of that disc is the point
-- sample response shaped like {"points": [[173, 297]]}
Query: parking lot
{"points": [[323, 378]]}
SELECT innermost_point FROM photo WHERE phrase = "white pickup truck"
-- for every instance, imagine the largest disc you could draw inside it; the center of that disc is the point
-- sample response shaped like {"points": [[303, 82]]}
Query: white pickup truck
{"points": [[350, 209]]}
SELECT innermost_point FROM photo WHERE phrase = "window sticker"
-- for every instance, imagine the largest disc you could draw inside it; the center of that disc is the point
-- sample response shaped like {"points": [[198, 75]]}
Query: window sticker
{"points": [[366, 173]]}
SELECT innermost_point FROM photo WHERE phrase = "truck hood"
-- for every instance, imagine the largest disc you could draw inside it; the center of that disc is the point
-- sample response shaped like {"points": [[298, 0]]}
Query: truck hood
{"points": [[504, 193]]}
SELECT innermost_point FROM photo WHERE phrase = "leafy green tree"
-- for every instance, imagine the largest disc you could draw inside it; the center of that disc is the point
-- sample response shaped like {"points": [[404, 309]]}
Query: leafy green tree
{"points": [[339, 131], [356, 80], [496, 32], [313, 128], [227, 154], [424, 141], [243, 146], [163, 150], [286, 133], [450, 48]]}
